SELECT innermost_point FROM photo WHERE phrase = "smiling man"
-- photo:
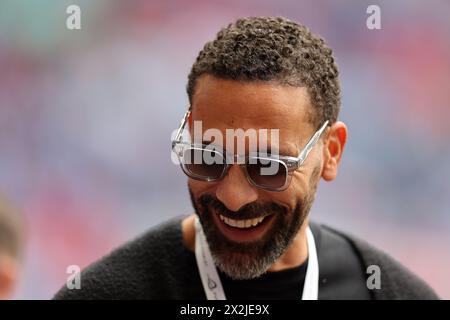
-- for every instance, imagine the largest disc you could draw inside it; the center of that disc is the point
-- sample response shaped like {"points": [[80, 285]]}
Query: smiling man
{"points": [[250, 236]]}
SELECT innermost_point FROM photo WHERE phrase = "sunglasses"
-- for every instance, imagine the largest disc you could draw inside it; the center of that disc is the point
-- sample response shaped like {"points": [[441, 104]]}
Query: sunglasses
{"points": [[208, 162]]}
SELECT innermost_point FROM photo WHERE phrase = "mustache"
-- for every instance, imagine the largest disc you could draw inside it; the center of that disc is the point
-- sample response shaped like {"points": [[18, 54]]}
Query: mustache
{"points": [[249, 211]]}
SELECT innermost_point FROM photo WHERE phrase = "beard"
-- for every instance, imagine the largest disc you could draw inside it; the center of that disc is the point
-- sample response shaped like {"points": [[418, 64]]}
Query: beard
{"points": [[243, 261]]}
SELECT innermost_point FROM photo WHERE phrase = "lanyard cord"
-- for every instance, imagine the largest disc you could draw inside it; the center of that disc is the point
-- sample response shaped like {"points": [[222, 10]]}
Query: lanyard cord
{"points": [[211, 281]]}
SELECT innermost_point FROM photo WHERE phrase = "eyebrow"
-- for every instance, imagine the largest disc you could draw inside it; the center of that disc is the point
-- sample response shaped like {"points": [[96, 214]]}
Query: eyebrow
{"points": [[284, 150]]}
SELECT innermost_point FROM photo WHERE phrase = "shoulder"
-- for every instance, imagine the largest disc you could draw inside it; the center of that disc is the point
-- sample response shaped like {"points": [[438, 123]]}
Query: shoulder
{"points": [[397, 282], [341, 271], [135, 270]]}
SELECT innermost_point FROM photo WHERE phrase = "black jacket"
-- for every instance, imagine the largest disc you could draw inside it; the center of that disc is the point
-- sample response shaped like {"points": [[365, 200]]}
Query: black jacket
{"points": [[158, 266]]}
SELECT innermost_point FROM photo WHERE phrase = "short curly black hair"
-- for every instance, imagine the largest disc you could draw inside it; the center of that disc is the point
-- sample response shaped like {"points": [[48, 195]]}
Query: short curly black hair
{"points": [[273, 49]]}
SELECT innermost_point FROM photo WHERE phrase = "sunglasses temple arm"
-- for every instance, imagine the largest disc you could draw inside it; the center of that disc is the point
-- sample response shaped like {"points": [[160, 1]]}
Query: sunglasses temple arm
{"points": [[181, 127], [311, 143]]}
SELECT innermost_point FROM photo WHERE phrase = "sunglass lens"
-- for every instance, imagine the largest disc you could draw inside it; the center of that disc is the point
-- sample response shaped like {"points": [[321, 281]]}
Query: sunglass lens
{"points": [[203, 163], [270, 174]]}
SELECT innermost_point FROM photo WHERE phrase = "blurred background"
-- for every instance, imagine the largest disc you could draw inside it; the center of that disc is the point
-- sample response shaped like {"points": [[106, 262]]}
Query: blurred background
{"points": [[86, 117]]}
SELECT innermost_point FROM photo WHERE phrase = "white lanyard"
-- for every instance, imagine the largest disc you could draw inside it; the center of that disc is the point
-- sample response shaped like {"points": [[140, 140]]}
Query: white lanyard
{"points": [[211, 281]]}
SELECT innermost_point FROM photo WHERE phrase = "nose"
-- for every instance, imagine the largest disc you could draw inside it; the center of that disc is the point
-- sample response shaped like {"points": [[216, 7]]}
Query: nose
{"points": [[234, 191]]}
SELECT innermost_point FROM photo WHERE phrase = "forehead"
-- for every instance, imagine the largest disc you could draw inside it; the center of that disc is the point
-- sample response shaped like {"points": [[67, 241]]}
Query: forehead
{"points": [[229, 104], [245, 101]]}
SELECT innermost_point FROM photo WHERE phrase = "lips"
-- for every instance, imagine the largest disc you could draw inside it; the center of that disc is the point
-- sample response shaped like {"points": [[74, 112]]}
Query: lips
{"points": [[243, 230]]}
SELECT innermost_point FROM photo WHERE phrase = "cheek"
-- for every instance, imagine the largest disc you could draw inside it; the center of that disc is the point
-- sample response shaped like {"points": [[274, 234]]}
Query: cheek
{"points": [[295, 193], [288, 197], [299, 184], [201, 187]]}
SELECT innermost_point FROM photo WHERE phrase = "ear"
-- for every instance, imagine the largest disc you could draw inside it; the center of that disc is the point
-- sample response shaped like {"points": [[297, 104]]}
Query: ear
{"points": [[8, 276], [333, 149]]}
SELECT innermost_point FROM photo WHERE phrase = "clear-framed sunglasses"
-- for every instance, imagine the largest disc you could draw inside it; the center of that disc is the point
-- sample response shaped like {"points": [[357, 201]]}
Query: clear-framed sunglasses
{"points": [[207, 162]]}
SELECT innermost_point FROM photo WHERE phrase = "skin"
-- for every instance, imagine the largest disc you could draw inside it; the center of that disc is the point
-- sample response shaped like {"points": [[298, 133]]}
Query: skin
{"points": [[223, 104], [8, 275]]}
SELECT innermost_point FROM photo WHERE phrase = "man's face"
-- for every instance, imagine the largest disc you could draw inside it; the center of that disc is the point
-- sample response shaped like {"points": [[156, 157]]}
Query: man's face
{"points": [[244, 253]]}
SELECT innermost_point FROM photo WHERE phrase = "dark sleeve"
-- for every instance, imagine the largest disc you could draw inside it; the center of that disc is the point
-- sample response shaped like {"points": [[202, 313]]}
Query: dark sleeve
{"points": [[102, 280], [148, 267], [341, 271], [119, 275], [397, 282]]}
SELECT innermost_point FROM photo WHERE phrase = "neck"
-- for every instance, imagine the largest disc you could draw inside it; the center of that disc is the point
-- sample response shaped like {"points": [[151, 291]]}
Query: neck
{"points": [[295, 255]]}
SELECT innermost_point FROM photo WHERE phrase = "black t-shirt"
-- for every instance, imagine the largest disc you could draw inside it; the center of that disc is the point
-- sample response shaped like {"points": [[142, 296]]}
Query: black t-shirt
{"points": [[284, 285]]}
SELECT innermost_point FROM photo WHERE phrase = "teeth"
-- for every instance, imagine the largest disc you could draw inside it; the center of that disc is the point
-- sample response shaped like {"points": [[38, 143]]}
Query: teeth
{"points": [[242, 224], [257, 221]]}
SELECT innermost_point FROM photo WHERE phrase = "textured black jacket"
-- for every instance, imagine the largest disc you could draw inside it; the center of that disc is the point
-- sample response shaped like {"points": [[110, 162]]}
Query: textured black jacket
{"points": [[158, 266]]}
